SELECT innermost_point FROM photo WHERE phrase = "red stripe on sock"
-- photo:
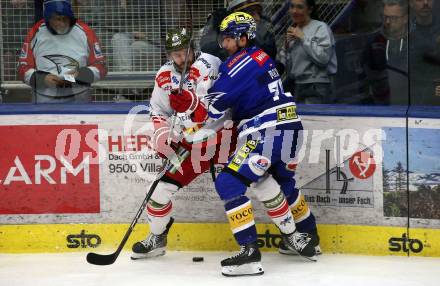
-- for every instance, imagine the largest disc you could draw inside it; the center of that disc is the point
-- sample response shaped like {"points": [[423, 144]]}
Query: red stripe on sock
{"points": [[282, 210], [160, 212]]}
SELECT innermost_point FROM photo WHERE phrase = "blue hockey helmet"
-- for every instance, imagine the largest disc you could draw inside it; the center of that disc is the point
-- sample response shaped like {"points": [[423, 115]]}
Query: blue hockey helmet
{"points": [[57, 7], [237, 24]]}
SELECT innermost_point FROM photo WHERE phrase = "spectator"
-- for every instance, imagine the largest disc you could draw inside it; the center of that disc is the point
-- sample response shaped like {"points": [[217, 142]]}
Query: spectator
{"points": [[309, 55], [132, 48], [388, 56], [61, 56], [265, 36], [424, 47]]}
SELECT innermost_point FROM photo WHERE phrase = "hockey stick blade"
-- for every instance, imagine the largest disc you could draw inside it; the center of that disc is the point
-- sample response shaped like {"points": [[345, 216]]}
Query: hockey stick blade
{"points": [[101, 259], [107, 259]]}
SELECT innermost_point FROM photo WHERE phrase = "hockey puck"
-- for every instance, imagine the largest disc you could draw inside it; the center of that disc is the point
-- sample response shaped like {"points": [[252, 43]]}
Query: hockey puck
{"points": [[197, 259]]}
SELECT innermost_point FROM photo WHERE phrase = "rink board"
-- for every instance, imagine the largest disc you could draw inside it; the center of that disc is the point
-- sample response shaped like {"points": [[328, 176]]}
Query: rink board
{"points": [[104, 238], [359, 198]]}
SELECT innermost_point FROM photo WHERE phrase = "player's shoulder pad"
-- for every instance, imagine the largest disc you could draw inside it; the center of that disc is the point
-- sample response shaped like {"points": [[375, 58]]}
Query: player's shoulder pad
{"points": [[204, 65], [208, 58], [205, 62], [259, 56], [244, 62], [163, 76]]}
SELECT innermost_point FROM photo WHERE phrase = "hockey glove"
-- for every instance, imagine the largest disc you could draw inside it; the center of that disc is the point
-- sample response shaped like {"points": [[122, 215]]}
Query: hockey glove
{"points": [[184, 102]]}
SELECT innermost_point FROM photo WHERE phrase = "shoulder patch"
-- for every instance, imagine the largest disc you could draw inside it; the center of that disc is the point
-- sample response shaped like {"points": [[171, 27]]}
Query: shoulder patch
{"points": [[194, 73], [260, 57], [163, 78], [233, 61]]}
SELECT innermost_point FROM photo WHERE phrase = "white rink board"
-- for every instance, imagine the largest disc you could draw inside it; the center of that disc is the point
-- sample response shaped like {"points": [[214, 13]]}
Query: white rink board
{"points": [[121, 193]]}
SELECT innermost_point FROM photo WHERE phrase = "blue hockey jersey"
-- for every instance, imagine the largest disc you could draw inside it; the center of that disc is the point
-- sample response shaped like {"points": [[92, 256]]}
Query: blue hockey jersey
{"points": [[250, 87]]}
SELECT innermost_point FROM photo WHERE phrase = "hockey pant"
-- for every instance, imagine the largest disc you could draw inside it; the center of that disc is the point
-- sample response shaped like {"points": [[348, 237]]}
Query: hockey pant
{"points": [[186, 166], [261, 162]]}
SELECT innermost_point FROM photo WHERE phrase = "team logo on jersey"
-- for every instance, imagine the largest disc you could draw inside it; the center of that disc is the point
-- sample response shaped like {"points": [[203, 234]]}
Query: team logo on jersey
{"points": [[259, 165], [163, 78], [97, 50], [63, 62]]}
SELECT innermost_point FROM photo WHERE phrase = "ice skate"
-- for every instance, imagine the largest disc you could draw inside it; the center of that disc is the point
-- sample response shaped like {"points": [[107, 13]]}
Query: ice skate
{"points": [[283, 249], [246, 262], [154, 245], [301, 243]]}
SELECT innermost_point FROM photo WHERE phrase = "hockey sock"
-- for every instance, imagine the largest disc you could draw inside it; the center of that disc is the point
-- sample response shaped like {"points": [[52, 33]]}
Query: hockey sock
{"points": [[241, 219], [303, 217], [158, 216], [278, 210]]}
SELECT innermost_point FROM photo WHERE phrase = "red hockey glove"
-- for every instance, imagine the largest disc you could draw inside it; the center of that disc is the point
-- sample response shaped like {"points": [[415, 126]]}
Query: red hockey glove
{"points": [[185, 101]]}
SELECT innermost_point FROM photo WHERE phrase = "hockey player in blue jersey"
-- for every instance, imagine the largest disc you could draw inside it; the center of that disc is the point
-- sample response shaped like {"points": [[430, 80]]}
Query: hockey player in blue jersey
{"points": [[250, 88]]}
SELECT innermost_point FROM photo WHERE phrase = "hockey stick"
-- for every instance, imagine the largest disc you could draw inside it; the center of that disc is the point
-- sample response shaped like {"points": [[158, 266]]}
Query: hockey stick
{"points": [[107, 259], [185, 66]]}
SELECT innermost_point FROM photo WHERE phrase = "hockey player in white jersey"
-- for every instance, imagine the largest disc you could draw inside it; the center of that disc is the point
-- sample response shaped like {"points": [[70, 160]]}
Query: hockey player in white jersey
{"points": [[201, 72]]}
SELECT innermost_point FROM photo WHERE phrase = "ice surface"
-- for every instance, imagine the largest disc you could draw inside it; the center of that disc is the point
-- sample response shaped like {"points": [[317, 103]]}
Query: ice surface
{"points": [[177, 269]]}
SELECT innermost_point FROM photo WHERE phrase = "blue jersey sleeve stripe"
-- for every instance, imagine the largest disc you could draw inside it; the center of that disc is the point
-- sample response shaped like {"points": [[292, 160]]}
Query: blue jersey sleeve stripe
{"points": [[239, 64], [241, 67]]}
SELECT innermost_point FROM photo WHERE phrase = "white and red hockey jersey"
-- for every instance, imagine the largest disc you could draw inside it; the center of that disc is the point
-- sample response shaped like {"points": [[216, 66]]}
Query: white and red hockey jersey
{"points": [[56, 54], [201, 76]]}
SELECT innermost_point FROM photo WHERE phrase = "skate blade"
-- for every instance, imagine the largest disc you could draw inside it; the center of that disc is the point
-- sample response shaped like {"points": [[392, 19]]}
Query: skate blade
{"points": [[294, 253], [248, 269], [155, 253]]}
